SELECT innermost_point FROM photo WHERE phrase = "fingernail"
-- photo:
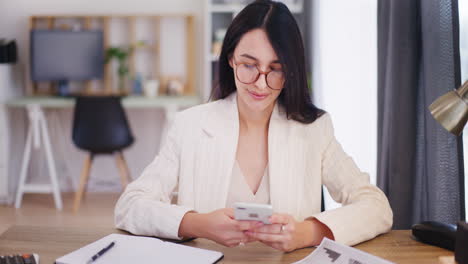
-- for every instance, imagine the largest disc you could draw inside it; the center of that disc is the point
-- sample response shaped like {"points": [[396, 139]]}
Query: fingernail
{"points": [[259, 224]]}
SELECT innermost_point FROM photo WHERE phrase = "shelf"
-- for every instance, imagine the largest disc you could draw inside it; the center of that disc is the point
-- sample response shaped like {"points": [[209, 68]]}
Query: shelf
{"points": [[236, 8], [154, 48], [221, 8]]}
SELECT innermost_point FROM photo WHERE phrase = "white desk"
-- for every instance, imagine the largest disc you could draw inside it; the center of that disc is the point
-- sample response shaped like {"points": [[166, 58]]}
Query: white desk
{"points": [[129, 101], [38, 130]]}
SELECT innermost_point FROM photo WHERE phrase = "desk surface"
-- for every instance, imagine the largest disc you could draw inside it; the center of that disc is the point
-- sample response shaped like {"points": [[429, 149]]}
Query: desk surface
{"points": [[53, 242], [128, 101]]}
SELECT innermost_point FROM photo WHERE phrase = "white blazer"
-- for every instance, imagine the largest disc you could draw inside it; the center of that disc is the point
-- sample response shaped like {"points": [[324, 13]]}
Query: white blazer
{"points": [[198, 156]]}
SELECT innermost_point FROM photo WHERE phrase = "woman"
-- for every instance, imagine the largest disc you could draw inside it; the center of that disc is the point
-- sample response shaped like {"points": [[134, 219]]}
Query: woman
{"points": [[262, 141]]}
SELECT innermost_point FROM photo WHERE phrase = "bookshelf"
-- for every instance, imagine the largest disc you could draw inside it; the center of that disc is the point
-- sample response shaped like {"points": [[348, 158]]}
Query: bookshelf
{"points": [[218, 17], [156, 41]]}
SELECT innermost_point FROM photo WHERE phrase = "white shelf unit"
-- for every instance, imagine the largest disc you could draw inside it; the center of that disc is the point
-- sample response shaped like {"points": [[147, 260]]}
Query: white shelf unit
{"points": [[218, 15]]}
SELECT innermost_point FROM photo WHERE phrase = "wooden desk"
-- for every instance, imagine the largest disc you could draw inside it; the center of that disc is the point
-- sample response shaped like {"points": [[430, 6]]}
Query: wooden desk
{"points": [[53, 242]]}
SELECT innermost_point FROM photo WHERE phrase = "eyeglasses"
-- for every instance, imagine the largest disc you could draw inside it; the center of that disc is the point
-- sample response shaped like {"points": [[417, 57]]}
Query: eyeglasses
{"points": [[248, 73]]}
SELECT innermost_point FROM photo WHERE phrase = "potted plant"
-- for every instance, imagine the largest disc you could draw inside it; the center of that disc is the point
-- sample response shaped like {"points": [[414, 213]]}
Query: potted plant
{"points": [[121, 54]]}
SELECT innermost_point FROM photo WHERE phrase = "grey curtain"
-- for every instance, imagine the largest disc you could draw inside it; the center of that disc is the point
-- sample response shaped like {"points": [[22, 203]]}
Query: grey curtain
{"points": [[420, 165]]}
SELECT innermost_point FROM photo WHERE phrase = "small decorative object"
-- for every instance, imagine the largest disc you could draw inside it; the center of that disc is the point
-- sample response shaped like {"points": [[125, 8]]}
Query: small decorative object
{"points": [[121, 54], [218, 41], [138, 84], [175, 87], [151, 88]]}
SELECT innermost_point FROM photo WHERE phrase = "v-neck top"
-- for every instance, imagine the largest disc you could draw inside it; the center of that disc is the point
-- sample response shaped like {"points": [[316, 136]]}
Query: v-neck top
{"points": [[239, 190]]}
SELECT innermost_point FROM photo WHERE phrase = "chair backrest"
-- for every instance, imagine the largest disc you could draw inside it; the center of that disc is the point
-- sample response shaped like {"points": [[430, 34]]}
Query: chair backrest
{"points": [[100, 124]]}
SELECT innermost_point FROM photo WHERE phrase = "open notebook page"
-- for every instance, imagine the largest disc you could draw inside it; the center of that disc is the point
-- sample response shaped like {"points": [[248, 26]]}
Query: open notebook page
{"points": [[138, 249]]}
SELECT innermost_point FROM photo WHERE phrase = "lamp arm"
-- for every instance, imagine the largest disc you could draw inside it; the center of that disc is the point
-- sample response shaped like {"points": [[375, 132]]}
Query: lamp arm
{"points": [[463, 92]]}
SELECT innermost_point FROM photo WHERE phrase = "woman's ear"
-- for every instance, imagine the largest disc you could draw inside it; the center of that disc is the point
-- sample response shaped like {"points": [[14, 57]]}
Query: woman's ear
{"points": [[230, 62]]}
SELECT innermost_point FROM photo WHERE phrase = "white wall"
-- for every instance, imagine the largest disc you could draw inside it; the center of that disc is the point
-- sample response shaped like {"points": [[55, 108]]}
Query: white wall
{"points": [[8, 78], [146, 124], [344, 63]]}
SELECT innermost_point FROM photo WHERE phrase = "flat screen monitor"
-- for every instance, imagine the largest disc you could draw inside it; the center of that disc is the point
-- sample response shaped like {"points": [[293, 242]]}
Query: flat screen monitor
{"points": [[59, 55]]}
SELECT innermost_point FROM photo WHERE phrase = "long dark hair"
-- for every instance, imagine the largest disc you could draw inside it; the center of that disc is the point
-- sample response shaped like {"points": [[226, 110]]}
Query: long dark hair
{"points": [[284, 35]]}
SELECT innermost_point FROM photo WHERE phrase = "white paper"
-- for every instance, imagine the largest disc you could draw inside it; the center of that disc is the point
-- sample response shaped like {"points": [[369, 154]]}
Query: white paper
{"points": [[137, 249], [330, 252]]}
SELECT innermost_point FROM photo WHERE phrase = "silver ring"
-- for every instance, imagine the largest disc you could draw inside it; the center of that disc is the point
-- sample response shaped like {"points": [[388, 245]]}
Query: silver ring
{"points": [[241, 244], [282, 228]]}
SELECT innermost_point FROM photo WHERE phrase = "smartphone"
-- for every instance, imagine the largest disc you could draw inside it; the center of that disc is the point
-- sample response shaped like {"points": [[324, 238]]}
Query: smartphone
{"points": [[253, 212]]}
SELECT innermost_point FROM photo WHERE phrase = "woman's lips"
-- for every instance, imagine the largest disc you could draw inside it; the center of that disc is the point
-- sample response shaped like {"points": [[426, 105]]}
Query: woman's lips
{"points": [[257, 96]]}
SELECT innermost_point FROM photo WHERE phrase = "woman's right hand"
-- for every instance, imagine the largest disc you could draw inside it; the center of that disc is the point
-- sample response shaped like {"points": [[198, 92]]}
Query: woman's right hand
{"points": [[219, 226]]}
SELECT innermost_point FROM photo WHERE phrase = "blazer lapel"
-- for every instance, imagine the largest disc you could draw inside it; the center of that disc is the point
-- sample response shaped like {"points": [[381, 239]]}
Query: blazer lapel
{"points": [[278, 155], [222, 127]]}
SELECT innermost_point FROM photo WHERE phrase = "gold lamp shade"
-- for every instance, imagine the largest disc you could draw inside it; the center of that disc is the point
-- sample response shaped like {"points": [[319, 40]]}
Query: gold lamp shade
{"points": [[451, 109]]}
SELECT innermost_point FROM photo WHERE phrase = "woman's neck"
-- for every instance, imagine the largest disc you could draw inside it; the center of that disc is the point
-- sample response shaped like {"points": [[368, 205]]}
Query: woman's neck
{"points": [[250, 120]]}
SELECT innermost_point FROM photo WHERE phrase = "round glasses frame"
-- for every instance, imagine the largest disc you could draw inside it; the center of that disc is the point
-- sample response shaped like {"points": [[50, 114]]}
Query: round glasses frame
{"points": [[259, 72]]}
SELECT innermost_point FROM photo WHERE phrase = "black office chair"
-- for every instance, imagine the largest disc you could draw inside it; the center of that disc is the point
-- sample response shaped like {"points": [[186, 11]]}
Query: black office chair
{"points": [[100, 126]]}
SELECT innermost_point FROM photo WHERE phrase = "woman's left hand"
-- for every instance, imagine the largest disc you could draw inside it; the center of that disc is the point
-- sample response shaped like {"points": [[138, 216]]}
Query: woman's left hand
{"points": [[281, 234]]}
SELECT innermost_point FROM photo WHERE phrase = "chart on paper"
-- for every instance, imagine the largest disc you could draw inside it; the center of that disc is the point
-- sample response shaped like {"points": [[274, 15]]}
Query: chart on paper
{"points": [[330, 252]]}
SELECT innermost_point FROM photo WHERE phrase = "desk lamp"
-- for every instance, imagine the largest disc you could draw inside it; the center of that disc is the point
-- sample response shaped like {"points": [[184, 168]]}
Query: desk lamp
{"points": [[451, 111]]}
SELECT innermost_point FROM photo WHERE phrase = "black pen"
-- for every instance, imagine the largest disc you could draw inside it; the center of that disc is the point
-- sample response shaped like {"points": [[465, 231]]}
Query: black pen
{"points": [[101, 252]]}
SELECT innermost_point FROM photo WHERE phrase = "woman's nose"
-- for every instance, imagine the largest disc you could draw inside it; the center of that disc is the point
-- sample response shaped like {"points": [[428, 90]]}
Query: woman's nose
{"points": [[261, 81]]}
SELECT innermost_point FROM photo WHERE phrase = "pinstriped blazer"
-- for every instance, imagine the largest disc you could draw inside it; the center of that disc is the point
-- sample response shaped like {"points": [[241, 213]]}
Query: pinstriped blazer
{"points": [[197, 158]]}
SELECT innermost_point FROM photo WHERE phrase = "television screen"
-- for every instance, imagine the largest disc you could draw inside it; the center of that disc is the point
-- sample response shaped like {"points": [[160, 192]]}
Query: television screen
{"points": [[59, 55]]}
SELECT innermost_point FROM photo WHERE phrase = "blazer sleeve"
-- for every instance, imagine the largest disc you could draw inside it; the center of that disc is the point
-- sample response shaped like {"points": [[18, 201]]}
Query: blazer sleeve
{"points": [[145, 206], [365, 211]]}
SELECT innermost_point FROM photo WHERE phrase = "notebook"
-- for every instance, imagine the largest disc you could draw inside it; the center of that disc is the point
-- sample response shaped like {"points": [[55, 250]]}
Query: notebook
{"points": [[138, 249]]}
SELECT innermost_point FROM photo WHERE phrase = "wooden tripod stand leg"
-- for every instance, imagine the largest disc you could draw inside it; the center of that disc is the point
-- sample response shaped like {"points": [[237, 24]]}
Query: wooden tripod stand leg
{"points": [[83, 182], [123, 169]]}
